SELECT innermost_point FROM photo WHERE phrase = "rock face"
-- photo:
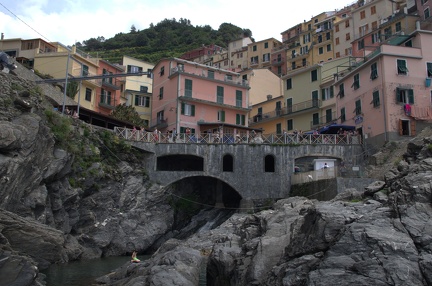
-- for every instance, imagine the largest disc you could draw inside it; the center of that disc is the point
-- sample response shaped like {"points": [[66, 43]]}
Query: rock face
{"points": [[382, 239], [63, 199]]}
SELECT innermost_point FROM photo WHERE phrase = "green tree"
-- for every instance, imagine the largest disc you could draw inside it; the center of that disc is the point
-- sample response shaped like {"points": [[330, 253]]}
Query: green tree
{"points": [[72, 89], [127, 113]]}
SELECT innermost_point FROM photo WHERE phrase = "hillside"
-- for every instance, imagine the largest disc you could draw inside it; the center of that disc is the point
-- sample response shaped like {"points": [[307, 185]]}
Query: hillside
{"points": [[169, 38]]}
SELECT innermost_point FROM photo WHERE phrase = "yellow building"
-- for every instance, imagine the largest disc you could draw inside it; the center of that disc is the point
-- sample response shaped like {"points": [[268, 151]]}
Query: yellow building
{"points": [[138, 89], [259, 53], [77, 64]]}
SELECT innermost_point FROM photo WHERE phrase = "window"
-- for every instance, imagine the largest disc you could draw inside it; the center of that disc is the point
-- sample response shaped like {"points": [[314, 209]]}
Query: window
{"points": [[429, 69], [320, 50], [107, 79], [254, 48], [221, 116], [375, 98], [327, 93], [142, 101], [398, 27], [338, 55], [373, 10], [328, 36], [266, 57], [314, 75], [187, 109], [347, 36], [376, 37], [362, 14], [239, 98], [85, 70], [290, 125], [329, 48], [279, 128], [143, 89], [210, 74], [341, 92], [315, 98], [149, 73], [336, 28], [329, 115], [387, 33], [133, 69], [337, 41], [315, 119], [88, 94], [374, 71], [426, 13], [266, 45], [357, 109], [254, 60], [401, 67], [162, 71], [404, 95], [289, 103], [356, 82], [240, 119], [220, 94], [347, 23], [105, 97], [160, 117], [342, 116], [360, 44], [374, 25], [188, 88], [161, 92], [289, 83]]}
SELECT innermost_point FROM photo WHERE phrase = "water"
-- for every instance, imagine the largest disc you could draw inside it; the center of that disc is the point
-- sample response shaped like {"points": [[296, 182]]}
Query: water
{"points": [[83, 273]]}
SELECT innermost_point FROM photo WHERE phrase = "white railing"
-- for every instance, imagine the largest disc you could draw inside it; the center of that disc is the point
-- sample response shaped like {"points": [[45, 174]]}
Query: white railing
{"points": [[228, 138]]}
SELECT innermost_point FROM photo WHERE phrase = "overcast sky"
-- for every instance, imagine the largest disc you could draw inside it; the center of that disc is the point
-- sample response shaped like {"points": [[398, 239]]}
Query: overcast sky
{"points": [[70, 21]]}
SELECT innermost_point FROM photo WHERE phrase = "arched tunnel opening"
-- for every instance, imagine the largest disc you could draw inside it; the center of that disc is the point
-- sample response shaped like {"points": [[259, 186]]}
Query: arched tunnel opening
{"points": [[199, 203]]}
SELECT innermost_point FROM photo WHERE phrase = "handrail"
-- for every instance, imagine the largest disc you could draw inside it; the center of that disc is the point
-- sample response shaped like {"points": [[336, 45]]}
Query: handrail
{"points": [[229, 138]]}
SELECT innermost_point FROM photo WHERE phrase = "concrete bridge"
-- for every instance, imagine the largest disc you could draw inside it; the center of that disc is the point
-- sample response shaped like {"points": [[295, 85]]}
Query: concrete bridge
{"points": [[254, 171]]}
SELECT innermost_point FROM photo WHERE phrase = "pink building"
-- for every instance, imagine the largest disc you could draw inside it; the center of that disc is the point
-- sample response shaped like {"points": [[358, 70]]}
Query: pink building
{"points": [[388, 96], [108, 95], [202, 98]]}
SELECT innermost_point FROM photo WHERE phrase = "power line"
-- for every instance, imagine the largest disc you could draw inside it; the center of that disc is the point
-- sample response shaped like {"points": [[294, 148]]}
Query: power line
{"points": [[24, 22]]}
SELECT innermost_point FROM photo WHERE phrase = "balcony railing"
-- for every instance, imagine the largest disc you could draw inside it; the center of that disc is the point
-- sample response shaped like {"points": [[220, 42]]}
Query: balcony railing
{"points": [[302, 106], [229, 138], [212, 76]]}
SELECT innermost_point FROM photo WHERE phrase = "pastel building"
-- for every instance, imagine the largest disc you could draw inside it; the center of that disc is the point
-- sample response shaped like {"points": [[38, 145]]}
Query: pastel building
{"points": [[138, 89], [65, 62], [388, 96], [202, 98], [108, 95]]}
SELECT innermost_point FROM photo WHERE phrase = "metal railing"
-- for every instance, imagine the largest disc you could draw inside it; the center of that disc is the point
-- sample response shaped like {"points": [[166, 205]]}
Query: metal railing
{"points": [[229, 138]]}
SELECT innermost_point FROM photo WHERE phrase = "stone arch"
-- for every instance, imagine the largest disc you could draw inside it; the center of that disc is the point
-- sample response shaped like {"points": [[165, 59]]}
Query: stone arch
{"points": [[228, 163], [269, 163]]}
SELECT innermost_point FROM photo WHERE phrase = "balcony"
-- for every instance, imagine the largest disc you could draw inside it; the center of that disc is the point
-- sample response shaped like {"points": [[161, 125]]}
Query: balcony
{"points": [[107, 84], [278, 62], [159, 123], [288, 110]]}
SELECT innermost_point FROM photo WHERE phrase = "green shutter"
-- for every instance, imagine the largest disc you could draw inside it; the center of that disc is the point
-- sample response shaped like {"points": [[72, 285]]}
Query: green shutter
{"points": [[223, 116], [331, 92], [243, 117], [192, 110], [136, 100], [398, 91], [410, 96], [323, 94], [238, 119], [182, 108]]}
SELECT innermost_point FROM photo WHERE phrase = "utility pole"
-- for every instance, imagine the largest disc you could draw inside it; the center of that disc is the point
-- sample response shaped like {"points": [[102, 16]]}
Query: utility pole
{"points": [[66, 82]]}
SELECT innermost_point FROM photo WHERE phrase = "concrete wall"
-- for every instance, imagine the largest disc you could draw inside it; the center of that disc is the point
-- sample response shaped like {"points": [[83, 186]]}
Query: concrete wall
{"points": [[248, 178]]}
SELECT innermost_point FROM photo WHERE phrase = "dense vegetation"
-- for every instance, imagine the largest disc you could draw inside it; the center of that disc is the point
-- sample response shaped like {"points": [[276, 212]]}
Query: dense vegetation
{"points": [[169, 38]]}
